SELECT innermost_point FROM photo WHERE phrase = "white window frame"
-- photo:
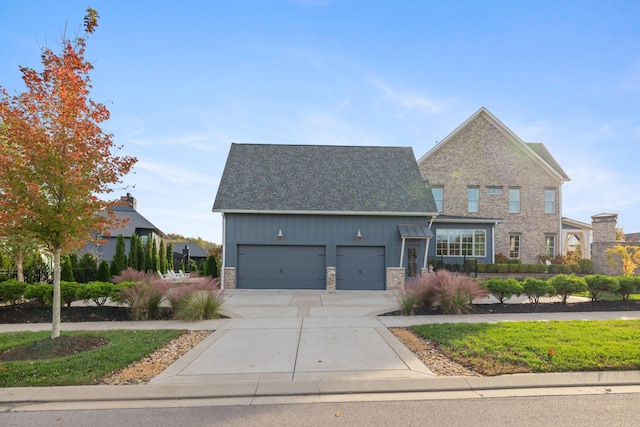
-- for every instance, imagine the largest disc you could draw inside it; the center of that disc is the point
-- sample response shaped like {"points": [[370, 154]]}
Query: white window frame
{"points": [[550, 245], [439, 200], [550, 201], [515, 246], [514, 200], [473, 203], [465, 242]]}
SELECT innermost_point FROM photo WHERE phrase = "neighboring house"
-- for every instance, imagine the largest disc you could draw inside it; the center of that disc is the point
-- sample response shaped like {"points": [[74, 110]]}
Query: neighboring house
{"points": [[135, 224], [185, 251], [483, 170], [323, 217]]}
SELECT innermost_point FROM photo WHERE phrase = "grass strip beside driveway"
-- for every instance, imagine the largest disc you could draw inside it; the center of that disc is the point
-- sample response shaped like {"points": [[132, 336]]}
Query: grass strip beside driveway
{"points": [[84, 367], [555, 346]]}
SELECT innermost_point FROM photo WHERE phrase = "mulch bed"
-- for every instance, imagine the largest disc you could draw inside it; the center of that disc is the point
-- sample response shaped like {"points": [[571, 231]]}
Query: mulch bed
{"points": [[31, 312]]}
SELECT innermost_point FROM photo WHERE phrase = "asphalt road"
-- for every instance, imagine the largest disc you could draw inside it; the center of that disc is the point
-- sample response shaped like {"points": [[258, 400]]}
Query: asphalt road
{"points": [[564, 410]]}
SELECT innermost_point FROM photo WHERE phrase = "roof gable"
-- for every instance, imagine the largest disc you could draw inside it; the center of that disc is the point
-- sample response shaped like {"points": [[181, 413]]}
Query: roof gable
{"points": [[133, 222], [322, 179], [535, 151]]}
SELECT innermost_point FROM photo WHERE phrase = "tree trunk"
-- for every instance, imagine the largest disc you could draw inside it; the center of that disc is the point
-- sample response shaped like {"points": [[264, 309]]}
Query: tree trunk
{"points": [[55, 323], [19, 265]]}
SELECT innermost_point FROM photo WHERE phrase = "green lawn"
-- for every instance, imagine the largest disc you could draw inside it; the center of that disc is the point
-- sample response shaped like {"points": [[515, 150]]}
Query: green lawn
{"points": [[557, 346], [87, 367]]}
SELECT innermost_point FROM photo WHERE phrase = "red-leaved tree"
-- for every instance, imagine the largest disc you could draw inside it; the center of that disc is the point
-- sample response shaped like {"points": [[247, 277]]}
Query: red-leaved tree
{"points": [[55, 160]]}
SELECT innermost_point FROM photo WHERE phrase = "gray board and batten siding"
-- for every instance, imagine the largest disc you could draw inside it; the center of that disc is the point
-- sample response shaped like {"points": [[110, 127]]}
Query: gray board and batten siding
{"points": [[253, 244]]}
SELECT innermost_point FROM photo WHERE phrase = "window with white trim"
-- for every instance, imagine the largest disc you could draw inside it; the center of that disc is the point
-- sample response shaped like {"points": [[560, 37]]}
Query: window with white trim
{"points": [[461, 242], [550, 245], [438, 196], [473, 197], [514, 200], [514, 246], [550, 201]]}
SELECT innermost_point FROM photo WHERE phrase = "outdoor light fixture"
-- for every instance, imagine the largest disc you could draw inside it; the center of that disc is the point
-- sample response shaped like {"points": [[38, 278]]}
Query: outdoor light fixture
{"points": [[280, 235], [359, 235]]}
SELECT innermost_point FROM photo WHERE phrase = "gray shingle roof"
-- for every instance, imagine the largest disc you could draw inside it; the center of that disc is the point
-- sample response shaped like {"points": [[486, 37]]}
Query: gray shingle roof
{"points": [[134, 221], [542, 151], [322, 178]]}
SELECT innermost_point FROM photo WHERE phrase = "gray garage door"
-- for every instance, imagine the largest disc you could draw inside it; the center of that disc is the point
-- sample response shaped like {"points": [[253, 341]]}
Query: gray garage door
{"points": [[360, 267], [281, 267]]}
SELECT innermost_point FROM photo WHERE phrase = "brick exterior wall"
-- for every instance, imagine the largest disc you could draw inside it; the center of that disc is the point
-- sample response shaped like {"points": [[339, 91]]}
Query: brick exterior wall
{"points": [[481, 155], [229, 278], [395, 278]]}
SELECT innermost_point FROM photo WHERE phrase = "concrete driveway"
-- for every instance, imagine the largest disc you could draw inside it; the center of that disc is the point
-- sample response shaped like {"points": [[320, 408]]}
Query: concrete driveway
{"points": [[299, 335]]}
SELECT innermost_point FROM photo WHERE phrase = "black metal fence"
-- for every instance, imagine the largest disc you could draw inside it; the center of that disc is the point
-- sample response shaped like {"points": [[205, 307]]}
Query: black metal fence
{"points": [[31, 275], [43, 275]]}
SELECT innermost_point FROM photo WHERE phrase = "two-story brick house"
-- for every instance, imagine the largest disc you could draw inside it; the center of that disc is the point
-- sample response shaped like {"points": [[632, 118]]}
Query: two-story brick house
{"points": [[483, 170]]}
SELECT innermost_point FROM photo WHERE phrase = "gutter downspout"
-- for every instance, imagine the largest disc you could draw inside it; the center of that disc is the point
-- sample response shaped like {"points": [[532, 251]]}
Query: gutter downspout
{"points": [[493, 243], [224, 249], [562, 241], [426, 248]]}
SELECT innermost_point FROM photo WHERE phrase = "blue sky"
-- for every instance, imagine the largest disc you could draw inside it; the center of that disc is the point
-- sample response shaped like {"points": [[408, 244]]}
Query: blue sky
{"points": [[183, 80]]}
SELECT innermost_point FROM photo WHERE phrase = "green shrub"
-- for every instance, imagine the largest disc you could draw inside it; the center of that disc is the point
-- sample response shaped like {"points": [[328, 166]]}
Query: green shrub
{"points": [[540, 268], [12, 290], [574, 268], [565, 285], [501, 268], [513, 261], [536, 288], [599, 284], [66, 273], [585, 265], [503, 289], [514, 268], [68, 292], [104, 274], [482, 268], [98, 292], [40, 292], [628, 285]]}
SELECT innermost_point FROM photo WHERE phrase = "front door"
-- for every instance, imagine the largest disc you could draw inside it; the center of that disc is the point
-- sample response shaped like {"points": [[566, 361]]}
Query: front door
{"points": [[412, 261]]}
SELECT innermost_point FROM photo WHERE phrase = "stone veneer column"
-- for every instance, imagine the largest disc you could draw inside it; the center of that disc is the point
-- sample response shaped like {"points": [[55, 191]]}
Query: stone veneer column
{"points": [[331, 278], [424, 271], [229, 278], [395, 278]]}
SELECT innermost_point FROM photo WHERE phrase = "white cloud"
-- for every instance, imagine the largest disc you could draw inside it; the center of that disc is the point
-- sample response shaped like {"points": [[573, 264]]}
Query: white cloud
{"points": [[406, 102]]}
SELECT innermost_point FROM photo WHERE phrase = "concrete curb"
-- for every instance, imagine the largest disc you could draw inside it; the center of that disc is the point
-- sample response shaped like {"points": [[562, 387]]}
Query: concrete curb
{"points": [[19, 396]]}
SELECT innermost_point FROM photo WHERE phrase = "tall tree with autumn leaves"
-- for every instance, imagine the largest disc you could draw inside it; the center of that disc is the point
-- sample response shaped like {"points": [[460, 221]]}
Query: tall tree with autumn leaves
{"points": [[55, 160]]}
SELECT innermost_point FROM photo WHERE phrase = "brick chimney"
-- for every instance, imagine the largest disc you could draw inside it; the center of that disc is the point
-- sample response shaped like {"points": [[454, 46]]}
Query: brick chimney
{"points": [[604, 227], [129, 200]]}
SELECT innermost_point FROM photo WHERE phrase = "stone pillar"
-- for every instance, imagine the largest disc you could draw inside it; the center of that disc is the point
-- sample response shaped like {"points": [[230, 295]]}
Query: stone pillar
{"points": [[425, 271], [229, 278], [395, 278], [331, 278]]}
